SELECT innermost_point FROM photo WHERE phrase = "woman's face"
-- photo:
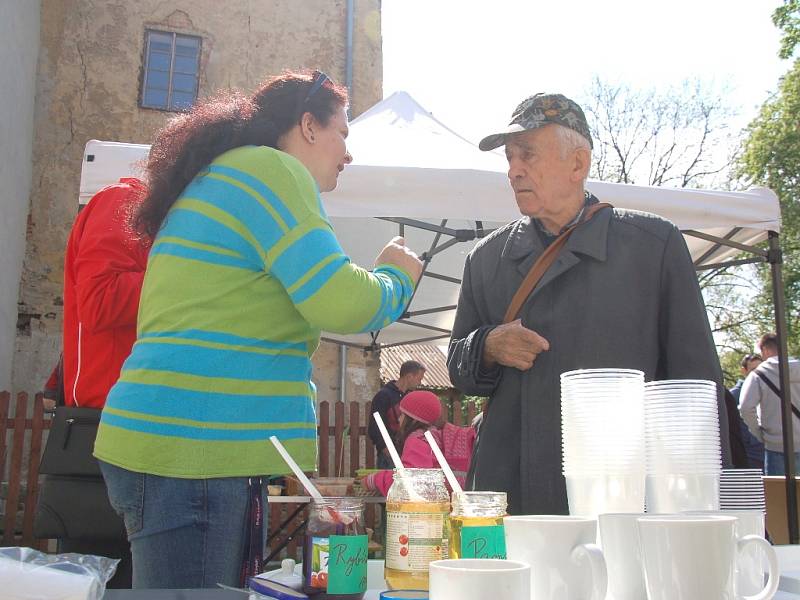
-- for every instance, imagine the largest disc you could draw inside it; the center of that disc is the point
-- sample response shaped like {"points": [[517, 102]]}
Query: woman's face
{"points": [[328, 153]]}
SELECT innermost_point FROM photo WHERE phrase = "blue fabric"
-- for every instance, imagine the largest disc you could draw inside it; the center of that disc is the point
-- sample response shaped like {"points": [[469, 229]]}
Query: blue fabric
{"points": [[184, 533], [773, 462]]}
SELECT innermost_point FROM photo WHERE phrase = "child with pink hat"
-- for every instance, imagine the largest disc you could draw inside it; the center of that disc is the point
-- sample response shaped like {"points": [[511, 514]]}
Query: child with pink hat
{"points": [[420, 410]]}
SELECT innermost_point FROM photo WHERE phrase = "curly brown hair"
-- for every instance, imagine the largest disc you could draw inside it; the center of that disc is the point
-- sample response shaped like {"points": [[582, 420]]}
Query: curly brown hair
{"points": [[190, 141]]}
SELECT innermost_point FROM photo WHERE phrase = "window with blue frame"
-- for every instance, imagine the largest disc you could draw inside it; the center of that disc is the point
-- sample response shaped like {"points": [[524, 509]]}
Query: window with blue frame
{"points": [[171, 70]]}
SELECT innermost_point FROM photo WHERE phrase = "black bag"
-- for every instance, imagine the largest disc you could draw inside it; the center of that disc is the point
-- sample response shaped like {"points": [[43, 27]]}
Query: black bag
{"points": [[71, 442], [73, 502]]}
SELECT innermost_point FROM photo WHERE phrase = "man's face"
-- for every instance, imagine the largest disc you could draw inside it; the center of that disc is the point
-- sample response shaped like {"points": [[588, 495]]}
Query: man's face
{"points": [[752, 364], [416, 379], [542, 180]]}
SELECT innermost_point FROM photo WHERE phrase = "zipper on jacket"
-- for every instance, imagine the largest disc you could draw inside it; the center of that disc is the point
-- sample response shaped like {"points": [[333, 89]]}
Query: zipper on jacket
{"points": [[78, 370]]}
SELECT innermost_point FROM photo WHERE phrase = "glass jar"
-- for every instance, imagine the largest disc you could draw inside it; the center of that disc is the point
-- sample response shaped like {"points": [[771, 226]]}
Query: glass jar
{"points": [[335, 550], [476, 525], [417, 527]]}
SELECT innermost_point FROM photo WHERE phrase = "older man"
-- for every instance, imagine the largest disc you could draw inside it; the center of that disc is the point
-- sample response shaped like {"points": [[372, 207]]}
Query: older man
{"points": [[622, 292]]}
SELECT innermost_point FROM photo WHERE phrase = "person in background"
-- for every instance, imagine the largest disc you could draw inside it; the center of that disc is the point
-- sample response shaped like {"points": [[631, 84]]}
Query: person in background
{"points": [[386, 403], [760, 405], [419, 412], [104, 267], [244, 274], [622, 293], [753, 448], [103, 274]]}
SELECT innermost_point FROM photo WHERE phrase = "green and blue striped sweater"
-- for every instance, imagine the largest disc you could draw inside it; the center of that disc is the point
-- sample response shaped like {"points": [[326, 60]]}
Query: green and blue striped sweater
{"points": [[243, 275]]}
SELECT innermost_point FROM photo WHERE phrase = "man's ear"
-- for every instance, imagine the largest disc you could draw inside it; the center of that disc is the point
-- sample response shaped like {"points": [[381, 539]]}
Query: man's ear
{"points": [[583, 162]]}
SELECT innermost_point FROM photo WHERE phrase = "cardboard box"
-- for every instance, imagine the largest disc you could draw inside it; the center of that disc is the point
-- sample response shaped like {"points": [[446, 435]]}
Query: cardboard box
{"points": [[775, 496]]}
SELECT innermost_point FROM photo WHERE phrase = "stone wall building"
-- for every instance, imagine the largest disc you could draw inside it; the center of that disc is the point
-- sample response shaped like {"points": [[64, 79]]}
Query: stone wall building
{"points": [[100, 64]]}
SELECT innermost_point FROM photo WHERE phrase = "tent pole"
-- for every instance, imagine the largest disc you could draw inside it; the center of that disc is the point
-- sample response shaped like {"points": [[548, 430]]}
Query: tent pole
{"points": [[775, 260]]}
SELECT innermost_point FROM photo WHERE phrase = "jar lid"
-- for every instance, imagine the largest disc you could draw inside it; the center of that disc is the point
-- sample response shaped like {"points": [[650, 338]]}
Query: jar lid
{"points": [[404, 595]]}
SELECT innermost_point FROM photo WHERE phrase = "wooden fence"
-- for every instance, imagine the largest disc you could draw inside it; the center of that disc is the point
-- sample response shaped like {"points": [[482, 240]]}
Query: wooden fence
{"points": [[344, 447]]}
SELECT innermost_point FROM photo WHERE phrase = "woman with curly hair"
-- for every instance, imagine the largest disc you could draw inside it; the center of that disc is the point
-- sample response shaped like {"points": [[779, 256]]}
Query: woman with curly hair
{"points": [[244, 273]]}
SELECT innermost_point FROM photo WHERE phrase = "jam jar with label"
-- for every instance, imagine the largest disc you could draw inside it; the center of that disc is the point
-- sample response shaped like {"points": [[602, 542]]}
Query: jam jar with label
{"points": [[476, 525], [417, 527], [335, 550]]}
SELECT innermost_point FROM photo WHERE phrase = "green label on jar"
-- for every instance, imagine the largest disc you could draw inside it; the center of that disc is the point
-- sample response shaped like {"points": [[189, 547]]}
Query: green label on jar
{"points": [[483, 542], [347, 564]]}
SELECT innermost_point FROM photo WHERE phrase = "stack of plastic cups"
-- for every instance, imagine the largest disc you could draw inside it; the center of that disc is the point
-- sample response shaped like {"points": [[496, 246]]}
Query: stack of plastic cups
{"points": [[683, 449], [602, 427]]}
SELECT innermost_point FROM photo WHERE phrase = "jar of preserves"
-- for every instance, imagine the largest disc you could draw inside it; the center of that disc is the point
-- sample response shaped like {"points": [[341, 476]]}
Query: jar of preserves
{"points": [[335, 550], [417, 527], [476, 525]]}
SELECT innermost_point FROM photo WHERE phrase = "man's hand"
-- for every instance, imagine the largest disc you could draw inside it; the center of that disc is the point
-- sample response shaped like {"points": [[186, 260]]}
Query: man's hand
{"points": [[512, 345], [396, 253]]}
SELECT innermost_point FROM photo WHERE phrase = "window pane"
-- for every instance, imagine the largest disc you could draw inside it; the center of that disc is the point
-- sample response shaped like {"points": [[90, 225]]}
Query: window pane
{"points": [[182, 100], [157, 79], [155, 98], [159, 37], [186, 64], [158, 60], [161, 46], [186, 45], [183, 83]]}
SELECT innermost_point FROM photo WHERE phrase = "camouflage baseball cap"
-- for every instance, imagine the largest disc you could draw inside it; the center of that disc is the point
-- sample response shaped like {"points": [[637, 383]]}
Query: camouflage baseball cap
{"points": [[537, 111]]}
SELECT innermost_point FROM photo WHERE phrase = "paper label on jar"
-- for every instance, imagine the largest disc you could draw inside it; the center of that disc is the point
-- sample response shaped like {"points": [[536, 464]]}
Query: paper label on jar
{"points": [[483, 542], [347, 564], [413, 540], [319, 562]]}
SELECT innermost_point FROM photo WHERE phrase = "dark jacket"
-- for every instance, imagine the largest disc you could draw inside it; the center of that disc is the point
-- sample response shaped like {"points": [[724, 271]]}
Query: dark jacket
{"points": [[385, 403], [622, 293]]}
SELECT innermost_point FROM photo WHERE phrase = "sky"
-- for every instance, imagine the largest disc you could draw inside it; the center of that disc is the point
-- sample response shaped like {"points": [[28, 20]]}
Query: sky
{"points": [[470, 63]]}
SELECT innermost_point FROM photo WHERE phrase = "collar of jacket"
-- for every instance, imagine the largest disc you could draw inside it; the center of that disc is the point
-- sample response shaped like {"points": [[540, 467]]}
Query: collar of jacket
{"points": [[589, 238]]}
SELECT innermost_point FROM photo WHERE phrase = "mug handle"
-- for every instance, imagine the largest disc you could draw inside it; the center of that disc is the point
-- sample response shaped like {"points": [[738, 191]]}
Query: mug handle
{"points": [[772, 580], [597, 563]]}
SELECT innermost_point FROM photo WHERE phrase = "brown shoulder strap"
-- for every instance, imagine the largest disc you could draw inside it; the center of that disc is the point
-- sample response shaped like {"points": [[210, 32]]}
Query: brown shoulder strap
{"points": [[543, 263]]}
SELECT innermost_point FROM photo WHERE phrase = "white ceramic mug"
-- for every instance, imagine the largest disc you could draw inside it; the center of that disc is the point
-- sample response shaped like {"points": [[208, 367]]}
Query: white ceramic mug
{"points": [[619, 539], [749, 572], [479, 579], [565, 562], [692, 557]]}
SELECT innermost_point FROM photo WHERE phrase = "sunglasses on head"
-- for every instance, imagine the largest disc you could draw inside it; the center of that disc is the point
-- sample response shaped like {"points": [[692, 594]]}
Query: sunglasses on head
{"points": [[319, 81]]}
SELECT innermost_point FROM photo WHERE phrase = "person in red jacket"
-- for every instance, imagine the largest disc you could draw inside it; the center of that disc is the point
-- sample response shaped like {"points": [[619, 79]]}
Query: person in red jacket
{"points": [[103, 273]]}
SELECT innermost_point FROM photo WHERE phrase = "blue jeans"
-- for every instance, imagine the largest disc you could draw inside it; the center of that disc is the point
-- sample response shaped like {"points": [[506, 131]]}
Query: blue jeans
{"points": [[184, 533], [773, 462]]}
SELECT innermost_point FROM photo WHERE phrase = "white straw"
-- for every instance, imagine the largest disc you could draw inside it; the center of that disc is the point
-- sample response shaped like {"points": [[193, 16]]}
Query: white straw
{"points": [[398, 464], [296, 469], [448, 472]]}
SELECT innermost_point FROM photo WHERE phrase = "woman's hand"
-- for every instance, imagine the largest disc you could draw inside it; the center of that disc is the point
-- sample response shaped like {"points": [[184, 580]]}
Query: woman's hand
{"points": [[396, 253]]}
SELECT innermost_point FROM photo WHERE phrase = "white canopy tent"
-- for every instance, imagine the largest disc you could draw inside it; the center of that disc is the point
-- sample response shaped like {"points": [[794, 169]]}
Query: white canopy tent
{"points": [[420, 178], [412, 171]]}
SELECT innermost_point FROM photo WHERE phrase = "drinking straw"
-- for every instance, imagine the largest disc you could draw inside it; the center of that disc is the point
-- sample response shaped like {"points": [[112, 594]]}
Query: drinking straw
{"points": [[398, 464], [296, 469], [448, 472]]}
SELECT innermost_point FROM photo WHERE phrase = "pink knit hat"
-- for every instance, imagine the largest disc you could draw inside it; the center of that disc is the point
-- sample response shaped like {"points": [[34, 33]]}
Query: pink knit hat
{"points": [[422, 406]]}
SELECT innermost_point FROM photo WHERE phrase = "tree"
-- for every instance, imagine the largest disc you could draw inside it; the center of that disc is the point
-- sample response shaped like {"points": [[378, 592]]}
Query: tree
{"points": [[770, 156], [787, 18], [678, 137]]}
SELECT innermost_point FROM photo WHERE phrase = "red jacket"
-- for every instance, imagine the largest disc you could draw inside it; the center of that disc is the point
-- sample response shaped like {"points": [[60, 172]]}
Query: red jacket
{"points": [[103, 272]]}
